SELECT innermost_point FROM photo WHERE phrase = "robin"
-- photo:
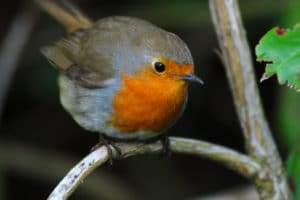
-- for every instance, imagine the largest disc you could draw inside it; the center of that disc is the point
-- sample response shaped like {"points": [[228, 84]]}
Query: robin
{"points": [[122, 77]]}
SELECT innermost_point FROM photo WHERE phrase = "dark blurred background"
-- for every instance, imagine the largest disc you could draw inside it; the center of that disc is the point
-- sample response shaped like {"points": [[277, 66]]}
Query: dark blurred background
{"points": [[39, 141]]}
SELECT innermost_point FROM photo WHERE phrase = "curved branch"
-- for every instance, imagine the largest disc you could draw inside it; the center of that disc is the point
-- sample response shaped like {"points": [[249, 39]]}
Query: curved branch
{"points": [[236, 161], [34, 162]]}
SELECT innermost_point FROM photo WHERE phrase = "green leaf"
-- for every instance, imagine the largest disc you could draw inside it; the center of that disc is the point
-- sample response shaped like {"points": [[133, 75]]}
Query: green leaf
{"points": [[281, 49]]}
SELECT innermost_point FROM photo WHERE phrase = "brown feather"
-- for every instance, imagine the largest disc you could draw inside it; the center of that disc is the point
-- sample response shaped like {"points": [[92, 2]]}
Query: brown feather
{"points": [[62, 56]]}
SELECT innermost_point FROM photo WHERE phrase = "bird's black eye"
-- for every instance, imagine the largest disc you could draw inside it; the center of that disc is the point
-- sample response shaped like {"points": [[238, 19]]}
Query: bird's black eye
{"points": [[159, 67]]}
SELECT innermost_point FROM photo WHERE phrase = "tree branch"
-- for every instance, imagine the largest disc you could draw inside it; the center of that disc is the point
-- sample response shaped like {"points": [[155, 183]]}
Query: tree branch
{"points": [[271, 182], [34, 162], [234, 160]]}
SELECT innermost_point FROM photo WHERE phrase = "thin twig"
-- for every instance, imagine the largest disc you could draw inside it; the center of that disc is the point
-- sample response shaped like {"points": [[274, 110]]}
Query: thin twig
{"points": [[34, 162], [232, 159], [12, 48], [271, 182]]}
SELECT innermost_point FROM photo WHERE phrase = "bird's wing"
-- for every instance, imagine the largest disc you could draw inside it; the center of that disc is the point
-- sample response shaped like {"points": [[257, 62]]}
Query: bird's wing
{"points": [[65, 56]]}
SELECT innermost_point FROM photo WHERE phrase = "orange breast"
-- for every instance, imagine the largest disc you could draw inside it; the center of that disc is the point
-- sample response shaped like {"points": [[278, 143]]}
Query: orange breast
{"points": [[148, 102]]}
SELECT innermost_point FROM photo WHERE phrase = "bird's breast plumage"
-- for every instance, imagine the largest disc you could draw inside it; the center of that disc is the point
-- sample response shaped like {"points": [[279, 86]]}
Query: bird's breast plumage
{"points": [[147, 103]]}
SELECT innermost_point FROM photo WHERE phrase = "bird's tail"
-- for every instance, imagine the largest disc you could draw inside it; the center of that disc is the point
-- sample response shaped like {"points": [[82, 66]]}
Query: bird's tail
{"points": [[66, 13]]}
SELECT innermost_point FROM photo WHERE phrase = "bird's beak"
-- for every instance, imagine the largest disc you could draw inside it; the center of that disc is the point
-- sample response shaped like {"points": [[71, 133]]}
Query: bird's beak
{"points": [[192, 78]]}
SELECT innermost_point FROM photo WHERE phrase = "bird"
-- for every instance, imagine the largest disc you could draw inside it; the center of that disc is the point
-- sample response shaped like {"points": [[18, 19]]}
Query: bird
{"points": [[121, 77]]}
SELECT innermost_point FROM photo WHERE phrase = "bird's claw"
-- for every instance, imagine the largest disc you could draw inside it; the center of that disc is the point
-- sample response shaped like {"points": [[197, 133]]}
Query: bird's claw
{"points": [[109, 145]]}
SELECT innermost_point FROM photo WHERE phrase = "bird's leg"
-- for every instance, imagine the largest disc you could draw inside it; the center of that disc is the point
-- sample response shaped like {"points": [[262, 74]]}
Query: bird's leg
{"points": [[166, 145], [108, 144]]}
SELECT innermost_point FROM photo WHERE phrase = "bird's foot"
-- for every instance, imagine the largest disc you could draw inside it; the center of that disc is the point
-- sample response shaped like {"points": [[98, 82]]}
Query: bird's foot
{"points": [[109, 144], [166, 151]]}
